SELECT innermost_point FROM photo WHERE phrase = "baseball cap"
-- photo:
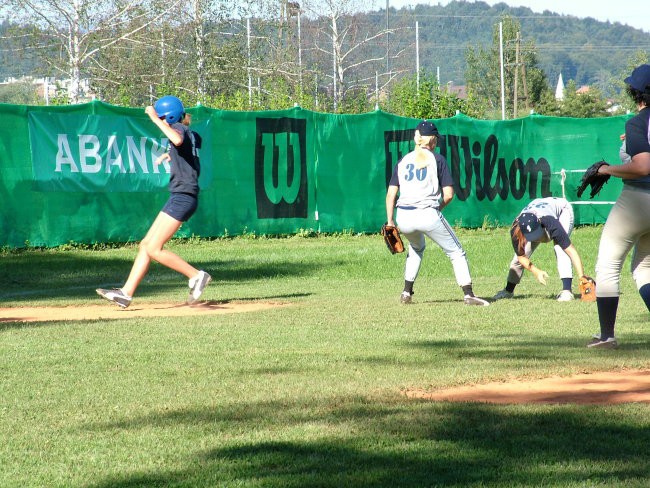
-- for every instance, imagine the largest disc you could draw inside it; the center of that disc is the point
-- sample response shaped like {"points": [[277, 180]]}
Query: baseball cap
{"points": [[640, 78], [530, 226], [427, 129]]}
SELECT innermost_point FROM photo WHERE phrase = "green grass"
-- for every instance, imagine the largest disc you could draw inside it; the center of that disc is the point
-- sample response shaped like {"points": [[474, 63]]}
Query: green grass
{"points": [[310, 395]]}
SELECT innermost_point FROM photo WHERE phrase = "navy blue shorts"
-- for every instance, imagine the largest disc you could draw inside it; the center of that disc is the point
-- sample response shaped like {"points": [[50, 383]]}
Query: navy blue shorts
{"points": [[181, 206]]}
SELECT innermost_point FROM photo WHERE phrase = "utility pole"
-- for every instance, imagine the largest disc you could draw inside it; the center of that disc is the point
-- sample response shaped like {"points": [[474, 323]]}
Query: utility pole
{"points": [[523, 79], [503, 89], [520, 64], [417, 54], [516, 94], [248, 68], [387, 49], [387, 41]]}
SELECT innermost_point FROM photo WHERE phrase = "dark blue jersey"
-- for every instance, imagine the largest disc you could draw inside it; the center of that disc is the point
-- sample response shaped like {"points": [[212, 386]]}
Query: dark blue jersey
{"points": [[637, 135], [553, 231], [185, 166]]}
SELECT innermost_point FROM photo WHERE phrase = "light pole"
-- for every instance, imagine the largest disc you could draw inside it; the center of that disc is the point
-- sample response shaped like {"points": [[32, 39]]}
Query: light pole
{"points": [[294, 10], [387, 39], [503, 89]]}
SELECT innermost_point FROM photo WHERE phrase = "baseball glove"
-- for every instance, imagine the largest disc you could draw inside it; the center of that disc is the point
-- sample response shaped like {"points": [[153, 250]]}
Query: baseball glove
{"points": [[587, 288], [592, 178], [392, 239]]}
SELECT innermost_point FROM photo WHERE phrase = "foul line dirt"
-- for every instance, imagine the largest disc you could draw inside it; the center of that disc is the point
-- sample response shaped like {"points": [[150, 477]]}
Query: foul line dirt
{"points": [[594, 388], [108, 311]]}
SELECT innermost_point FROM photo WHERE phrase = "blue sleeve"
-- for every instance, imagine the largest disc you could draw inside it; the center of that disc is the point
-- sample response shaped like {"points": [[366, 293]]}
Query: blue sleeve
{"points": [[444, 176], [556, 231], [636, 135], [394, 179]]}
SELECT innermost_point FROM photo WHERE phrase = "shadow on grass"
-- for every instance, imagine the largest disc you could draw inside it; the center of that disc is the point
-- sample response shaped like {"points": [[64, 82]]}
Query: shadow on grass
{"points": [[410, 444], [524, 346], [35, 275], [512, 347], [438, 301]]}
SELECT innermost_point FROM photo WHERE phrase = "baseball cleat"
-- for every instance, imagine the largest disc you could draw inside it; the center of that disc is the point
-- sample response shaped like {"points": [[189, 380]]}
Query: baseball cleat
{"points": [[405, 298], [609, 343], [473, 300], [503, 294], [197, 285], [116, 296], [565, 296]]}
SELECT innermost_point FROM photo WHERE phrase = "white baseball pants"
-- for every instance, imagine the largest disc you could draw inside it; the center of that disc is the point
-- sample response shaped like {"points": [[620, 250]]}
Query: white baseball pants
{"points": [[415, 225], [627, 227]]}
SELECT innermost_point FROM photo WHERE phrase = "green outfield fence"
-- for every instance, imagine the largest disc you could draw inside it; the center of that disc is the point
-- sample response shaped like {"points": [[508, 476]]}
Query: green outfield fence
{"points": [[85, 173]]}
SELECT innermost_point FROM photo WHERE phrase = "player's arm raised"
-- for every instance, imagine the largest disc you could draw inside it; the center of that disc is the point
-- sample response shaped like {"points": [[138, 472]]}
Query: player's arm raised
{"points": [[175, 137]]}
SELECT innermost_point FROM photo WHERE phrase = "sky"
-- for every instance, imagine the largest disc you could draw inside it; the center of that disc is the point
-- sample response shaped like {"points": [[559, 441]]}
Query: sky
{"points": [[635, 13]]}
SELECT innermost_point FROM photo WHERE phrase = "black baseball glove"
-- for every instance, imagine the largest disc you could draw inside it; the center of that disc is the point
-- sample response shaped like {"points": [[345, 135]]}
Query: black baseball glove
{"points": [[592, 178]]}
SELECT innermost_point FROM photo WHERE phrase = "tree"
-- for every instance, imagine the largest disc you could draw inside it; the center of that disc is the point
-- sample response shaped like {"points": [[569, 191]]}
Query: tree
{"points": [[575, 103], [19, 93], [428, 101], [201, 14], [636, 59], [344, 42], [483, 74], [80, 29]]}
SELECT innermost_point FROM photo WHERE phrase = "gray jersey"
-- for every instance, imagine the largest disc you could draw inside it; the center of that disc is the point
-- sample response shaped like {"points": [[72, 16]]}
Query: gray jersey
{"points": [[420, 182], [556, 216], [546, 207]]}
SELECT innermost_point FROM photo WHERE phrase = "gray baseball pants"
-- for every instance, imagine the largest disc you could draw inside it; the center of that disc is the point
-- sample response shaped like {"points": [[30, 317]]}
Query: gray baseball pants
{"points": [[627, 227]]}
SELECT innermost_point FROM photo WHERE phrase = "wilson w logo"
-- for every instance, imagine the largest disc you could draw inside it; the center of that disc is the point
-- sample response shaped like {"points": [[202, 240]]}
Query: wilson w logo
{"points": [[281, 181], [281, 168]]}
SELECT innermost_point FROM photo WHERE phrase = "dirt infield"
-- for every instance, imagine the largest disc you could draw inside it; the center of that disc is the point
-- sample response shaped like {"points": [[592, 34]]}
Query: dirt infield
{"points": [[595, 388], [108, 311]]}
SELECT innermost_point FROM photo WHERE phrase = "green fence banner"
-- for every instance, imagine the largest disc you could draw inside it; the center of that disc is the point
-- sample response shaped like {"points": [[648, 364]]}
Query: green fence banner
{"points": [[98, 153], [86, 173]]}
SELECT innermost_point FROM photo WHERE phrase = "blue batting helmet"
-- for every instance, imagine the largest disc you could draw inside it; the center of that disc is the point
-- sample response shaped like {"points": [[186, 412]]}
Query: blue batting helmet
{"points": [[170, 108]]}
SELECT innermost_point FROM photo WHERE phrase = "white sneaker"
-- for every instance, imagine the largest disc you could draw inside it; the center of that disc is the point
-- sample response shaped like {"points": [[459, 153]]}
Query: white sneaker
{"points": [[472, 300], [565, 296], [609, 343], [116, 296], [503, 294], [405, 298], [197, 285]]}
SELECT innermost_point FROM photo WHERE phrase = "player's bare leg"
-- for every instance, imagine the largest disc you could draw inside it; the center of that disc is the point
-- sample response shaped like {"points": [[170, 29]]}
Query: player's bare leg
{"points": [[151, 247]]}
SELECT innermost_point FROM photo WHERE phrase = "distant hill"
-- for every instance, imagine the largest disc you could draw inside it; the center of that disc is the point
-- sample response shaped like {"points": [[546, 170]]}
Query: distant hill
{"points": [[585, 50], [15, 60]]}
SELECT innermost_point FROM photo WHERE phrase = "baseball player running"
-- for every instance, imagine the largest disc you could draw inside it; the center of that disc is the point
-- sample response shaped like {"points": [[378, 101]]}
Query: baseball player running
{"points": [[628, 223], [167, 114], [425, 187], [543, 220]]}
